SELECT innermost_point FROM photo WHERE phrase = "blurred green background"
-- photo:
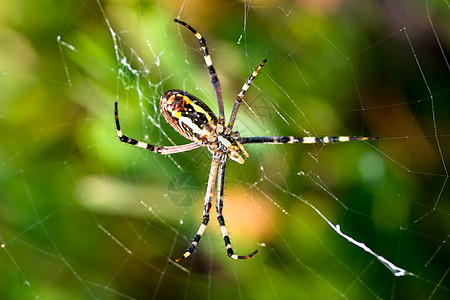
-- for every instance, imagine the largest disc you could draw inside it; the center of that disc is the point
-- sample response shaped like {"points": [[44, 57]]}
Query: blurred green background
{"points": [[83, 216]]}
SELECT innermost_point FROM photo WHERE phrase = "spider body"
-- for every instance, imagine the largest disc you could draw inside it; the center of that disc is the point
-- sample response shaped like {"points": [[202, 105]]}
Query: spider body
{"points": [[194, 120], [188, 115]]}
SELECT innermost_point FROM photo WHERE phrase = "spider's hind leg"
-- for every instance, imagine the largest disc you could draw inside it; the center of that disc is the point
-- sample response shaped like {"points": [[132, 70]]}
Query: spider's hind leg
{"points": [[206, 209], [212, 72], [219, 209]]}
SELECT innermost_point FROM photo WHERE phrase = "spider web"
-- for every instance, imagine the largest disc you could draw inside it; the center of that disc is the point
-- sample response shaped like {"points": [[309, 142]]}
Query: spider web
{"points": [[83, 216]]}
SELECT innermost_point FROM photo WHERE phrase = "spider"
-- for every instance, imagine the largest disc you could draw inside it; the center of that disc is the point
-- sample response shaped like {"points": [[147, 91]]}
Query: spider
{"points": [[194, 120]]}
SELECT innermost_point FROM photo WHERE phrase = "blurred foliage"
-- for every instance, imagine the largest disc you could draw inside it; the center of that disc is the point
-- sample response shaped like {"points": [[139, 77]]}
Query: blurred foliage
{"points": [[72, 224]]}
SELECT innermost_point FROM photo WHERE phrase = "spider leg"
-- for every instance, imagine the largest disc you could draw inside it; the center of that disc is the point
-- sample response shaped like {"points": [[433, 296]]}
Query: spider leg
{"points": [[206, 209], [156, 149], [303, 140], [240, 96], [212, 72], [219, 208]]}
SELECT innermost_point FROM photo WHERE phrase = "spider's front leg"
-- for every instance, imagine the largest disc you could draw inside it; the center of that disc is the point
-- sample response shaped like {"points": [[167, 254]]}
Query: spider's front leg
{"points": [[240, 96], [303, 140], [159, 150], [233, 147], [212, 72]]}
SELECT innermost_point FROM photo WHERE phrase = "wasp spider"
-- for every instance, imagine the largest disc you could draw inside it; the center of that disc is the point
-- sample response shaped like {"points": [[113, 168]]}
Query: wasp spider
{"points": [[194, 120]]}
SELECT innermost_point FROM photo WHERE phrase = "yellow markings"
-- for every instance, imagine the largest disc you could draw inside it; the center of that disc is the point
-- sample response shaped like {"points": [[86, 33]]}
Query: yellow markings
{"points": [[344, 139], [187, 99], [243, 149], [185, 255], [199, 109], [196, 107], [119, 133], [234, 256], [198, 35], [238, 159], [233, 154], [177, 114], [326, 140]]}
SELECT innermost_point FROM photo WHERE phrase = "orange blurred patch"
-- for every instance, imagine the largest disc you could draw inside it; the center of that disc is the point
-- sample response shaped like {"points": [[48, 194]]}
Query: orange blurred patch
{"points": [[248, 215]]}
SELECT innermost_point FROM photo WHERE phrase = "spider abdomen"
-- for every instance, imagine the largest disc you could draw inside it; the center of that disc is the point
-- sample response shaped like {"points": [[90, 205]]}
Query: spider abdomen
{"points": [[188, 115]]}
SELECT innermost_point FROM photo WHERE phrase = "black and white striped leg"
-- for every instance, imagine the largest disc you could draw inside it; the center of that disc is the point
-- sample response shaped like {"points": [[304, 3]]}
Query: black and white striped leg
{"points": [[240, 96], [206, 209], [212, 72], [219, 209], [303, 140], [143, 145]]}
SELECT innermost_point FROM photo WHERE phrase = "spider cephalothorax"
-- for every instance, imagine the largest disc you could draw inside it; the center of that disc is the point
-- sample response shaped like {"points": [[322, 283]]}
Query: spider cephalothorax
{"points": [[194, 120]]}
